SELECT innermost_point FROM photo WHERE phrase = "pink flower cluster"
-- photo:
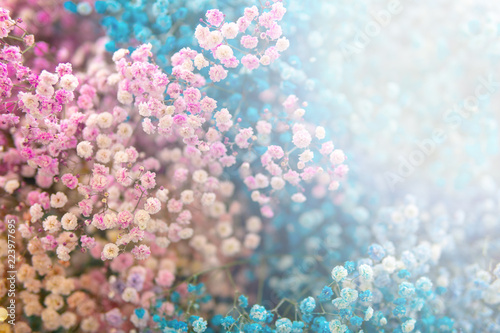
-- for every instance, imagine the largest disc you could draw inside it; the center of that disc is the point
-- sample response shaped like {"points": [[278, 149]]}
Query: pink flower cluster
{"points": [[260, 33], [127, 164]]}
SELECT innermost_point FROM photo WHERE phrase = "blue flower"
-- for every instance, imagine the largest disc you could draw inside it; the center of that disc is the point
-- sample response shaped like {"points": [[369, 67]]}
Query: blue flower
{"points": [[307, 305], [326, 294], [243, 301], [258, 313]]}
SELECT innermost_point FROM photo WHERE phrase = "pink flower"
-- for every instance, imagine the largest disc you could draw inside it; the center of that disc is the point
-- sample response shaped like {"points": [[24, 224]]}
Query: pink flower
{"points": [[124, 219], [276, 151], [152, 205], [70, 181], [142, 53], [250, 182], [274, 31], [180, 175], [292, 177], [173, 232], [141, 252], [148, 180], [341, 171], [214, 17], [217, 73], [168, 308], [88, 242], [267, 211], [290, 102], [122, 262], [99, 182], [249, 42], [250, 61], [251, 12], [174, 206], [165, 278], [136, 234], [184, 217], [122, 177], [326, 148], [208, 104], [85, 207]]}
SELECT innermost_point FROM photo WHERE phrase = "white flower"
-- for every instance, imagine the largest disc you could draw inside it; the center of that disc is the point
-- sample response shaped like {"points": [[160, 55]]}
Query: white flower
{"points": [[200, 61], [198, 242], [282, 44], [408, 326], [110, 220], [277, 183], [226, 188], [201, 33], [51, 224], [336, 326], [162, 195], [103, 156], [144, 110], [200, 176], [105, 120], [301, 138], [224, 52], [125, 97], [69, 221], [217, 209], [224, 229], [30, 101], [338, 273], [162, 242], [298, 197], [254, 224], [252, 241], [130, 295], [320, 132], [121, 53], [389, 264], [207, 199], [141, 219], [411, 211], [58, 200], [63, 253], [186, 233], [36, 212], [261, 180], [124, 131], [110, 251], [213, 39], [48, 78], [104, 141], [84, 149], [11, 186], [265, 60], [230, 30], [69, 82], [299, 113], [230, 246], [121, 157], [187, 197], [166, 122], [337, 156], [45, 89], [306, 156], [365, 272], [368, 313]]}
